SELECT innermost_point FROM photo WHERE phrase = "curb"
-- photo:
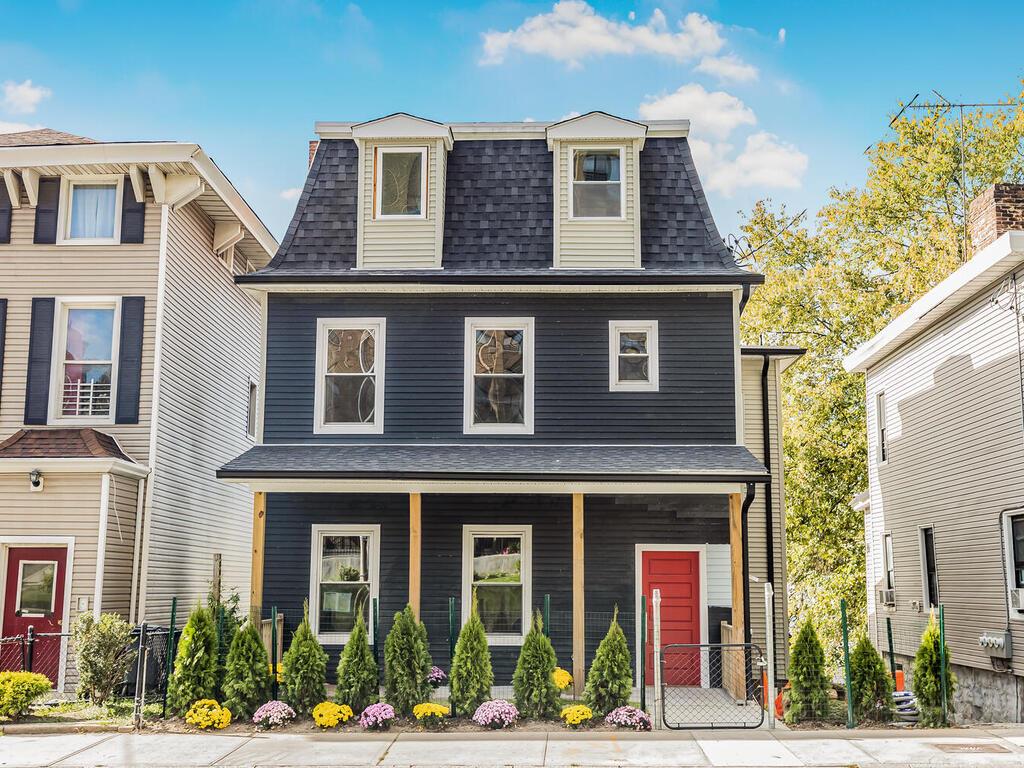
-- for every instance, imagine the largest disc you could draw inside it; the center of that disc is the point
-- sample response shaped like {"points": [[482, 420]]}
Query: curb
{"points": [[24, 729]]}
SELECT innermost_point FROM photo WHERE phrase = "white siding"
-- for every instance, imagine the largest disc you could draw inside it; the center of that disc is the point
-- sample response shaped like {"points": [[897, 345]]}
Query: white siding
{"points": [[720, 575], [209, 352], [120, 546], [874, 529], [956, 453]]}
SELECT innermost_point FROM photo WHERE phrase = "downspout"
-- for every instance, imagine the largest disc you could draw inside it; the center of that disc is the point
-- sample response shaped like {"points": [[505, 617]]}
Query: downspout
{"points": [[769, 522], [747, 501], [744, 296]]}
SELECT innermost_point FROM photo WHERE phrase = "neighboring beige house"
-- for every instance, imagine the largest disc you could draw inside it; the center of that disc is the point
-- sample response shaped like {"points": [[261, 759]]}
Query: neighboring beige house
{"points": [[944, 510], [128, 369]]}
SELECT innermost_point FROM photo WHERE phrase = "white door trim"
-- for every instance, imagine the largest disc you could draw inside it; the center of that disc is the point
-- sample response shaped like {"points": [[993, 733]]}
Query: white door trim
{"points": [[702, 551]]}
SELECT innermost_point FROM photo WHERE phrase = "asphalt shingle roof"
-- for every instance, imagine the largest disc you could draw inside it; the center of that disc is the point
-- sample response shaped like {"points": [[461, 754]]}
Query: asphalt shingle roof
{"points": [[61, 444], [39, 137]]}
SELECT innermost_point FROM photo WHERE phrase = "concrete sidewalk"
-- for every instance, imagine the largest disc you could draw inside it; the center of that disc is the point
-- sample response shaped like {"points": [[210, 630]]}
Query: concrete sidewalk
{"points": [[1000, 746]]}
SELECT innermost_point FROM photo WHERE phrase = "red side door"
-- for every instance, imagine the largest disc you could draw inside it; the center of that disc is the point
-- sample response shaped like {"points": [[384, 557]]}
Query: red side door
{"points": [[677, 575], [34, 596]]}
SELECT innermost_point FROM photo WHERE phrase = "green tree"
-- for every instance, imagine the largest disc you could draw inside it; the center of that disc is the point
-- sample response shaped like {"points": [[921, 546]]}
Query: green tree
{"points": [[104, 653], [247, 673], [406, 663], [471, 675], [809, 687], [610, 679], [927, 680], [227, 619], [871, 686], [304, 666], [358, 682], [195, 664], [834, 281], [535, 692]]}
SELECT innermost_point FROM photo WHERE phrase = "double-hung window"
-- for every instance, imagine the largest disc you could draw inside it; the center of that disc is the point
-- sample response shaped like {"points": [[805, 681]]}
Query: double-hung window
{"points": [[929, 572], [1016, 530], [400, 182], [350, 376], [496, 572], [887, 556], [597, 191], [498, 375], [90, 210], [633, 356], [85, 360], [344, 578], [881, 430]]}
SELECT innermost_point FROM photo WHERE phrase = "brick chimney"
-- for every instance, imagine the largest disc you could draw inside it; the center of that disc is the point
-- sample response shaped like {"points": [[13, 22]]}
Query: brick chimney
{"points": [[997, 210], [313, 144]]}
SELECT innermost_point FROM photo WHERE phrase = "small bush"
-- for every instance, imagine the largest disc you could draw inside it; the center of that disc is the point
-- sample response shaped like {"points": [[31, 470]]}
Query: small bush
{"points": [[472, 675], [328, 714], [273, 714], [358, 684], [406, 662], [610, 679], [377, 717], [496, 714], [305, 669], [104, 653], [18, 690], [207, 713], [532, 683], [431, 715], [629, 717], [247, 673], [808, 697], [927, 682], [195, 665], [576, 715], [871, 686]]}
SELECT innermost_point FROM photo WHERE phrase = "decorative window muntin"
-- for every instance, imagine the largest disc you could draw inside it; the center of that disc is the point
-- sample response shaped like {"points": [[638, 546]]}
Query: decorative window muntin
{"points": [[499, 376], [400, 183], [345, 578], [633, 355], [350, 376], [596, 188], [497, 568]]}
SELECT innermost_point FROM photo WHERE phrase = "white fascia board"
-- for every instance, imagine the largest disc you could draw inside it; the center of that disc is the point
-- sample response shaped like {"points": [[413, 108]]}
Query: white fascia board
{"points": [[530, 130], [402, 126], [983, 268], [496, 288], [269, 485], [74, 466], [596, 125]]}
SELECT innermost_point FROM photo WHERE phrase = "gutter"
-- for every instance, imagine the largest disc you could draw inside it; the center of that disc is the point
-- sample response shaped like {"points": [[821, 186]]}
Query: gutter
{"points": [[769, 522]]}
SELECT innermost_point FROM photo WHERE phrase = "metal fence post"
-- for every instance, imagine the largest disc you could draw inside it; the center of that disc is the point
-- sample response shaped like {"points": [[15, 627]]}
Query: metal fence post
{"points": [[273, 651], [30, 643], [140, 677], [452, 640], [942, 663], [547, 615], [659, 702], [769, 644], [892, 652], [170, 652], [846, 665], [642, 652], [376, 633]]}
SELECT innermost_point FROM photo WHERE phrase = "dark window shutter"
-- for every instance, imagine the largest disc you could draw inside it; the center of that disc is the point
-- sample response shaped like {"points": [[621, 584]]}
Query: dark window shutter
{"points": [[5, 215], [40, 347], [46, 211], [3, 335], [133, 215], [129, 361]]}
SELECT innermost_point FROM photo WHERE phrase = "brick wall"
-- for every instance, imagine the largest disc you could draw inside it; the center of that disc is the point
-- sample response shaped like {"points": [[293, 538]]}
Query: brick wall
{"points": [[997, 210]]}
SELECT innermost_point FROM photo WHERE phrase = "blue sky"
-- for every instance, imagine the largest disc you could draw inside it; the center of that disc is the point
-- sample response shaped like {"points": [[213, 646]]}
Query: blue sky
{"points": [[783, 97]]}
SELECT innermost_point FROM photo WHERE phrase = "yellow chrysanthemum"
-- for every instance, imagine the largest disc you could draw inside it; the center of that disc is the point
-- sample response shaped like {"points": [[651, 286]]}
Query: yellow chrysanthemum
{"points": [[207, 713], [327, 714], [576, 715], [429, 709], [562, 678]]}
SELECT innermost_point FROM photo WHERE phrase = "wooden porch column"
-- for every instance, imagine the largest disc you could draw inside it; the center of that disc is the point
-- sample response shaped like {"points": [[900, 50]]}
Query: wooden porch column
{"points": [[259, 529], [578, 623], [415, 539], [736, 545]]}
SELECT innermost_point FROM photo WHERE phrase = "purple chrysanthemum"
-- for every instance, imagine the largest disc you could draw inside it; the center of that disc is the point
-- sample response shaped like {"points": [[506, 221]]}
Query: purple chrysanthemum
{"points": [[272, 714], [496, 714], [629, 717], [437, 677], [377, 717]]}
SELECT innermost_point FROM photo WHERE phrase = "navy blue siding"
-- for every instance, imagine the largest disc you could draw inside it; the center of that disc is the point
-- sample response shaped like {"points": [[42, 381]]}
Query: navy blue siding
{"points": [[424, 367], [40, 349], [129, 366]]}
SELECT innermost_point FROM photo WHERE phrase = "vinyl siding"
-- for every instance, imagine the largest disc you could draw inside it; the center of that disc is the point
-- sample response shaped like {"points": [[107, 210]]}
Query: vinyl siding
{"points": [[120, 545], [424, 367], [956, 448], [607, 244], [209, 352], [28, 270], [406, 243]]}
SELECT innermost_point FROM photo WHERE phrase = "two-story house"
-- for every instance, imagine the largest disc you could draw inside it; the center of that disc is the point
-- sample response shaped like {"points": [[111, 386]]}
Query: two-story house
{"points": [[944, 507], [129, 366], [505, 358]]}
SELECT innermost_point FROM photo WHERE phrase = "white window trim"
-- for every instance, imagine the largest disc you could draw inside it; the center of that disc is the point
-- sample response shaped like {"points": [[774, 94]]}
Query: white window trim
{"points": [[888, 563], [925, 589], [252, 406], [881, 430], [473, 324], [573, 148], [323, 326], [1008, 567], [650, 327], [317, 533], [21, 574], [64, 209], [525, 570], [61, 306], [379, 152]]}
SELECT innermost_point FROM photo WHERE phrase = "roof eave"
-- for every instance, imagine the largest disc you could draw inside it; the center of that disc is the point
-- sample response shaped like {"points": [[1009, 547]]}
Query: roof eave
{"points": [[650, 277]]}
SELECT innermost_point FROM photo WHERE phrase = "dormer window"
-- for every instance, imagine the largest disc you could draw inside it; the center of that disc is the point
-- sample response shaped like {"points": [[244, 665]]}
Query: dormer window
{"points": [[597, 189], [91, 210], [400, 182]]}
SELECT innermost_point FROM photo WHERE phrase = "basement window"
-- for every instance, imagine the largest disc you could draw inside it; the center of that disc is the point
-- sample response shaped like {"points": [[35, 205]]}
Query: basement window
{"points": [[400, 182], [496, 568]]}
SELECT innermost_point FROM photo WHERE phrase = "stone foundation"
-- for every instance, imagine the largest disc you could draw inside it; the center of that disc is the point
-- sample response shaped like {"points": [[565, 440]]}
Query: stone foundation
{"points": [[981, 695]]}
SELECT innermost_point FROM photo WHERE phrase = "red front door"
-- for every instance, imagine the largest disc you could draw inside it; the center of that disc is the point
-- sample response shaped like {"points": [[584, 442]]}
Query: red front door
{"points": [[34, 596], [677, 575]]}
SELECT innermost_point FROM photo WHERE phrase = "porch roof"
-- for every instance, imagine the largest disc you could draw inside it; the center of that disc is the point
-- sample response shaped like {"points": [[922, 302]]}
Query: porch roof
{"points": [[477, 461]]}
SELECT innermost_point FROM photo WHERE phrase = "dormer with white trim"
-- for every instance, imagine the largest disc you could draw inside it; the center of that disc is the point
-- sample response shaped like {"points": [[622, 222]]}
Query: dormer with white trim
{"points": [[402, 166], [596, 191]]}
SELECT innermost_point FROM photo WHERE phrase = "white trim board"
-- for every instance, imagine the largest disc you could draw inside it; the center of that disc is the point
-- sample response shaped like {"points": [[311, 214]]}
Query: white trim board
{"points": [[74, 466], [343, 287], [315, 485]]}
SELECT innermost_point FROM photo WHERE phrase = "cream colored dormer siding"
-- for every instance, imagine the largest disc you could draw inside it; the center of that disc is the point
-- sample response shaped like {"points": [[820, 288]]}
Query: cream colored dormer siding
{"points": [[581, 243]]}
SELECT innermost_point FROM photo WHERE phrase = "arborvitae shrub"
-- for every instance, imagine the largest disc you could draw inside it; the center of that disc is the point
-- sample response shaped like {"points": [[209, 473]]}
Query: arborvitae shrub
{"points": [[226, 622], [535, 692], [358, 684], [406, 663], [927, 681], [195, 665], [247, 673], [870, 684], [304, 665], [610, 679], [808, 696], [471, 675]]}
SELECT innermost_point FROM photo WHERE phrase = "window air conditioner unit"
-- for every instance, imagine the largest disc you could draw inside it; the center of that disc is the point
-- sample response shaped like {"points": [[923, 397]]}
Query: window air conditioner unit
{"points": [[888, 596], [1017, 599]]}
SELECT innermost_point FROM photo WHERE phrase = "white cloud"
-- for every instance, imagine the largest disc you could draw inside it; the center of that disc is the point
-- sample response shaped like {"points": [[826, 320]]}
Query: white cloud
{"points": [[529, 119], [573, 31], [728, 67], [16, 127], [714, 113], [568, 116], [782, 35], [23, 98], [292, 193], [764, 162]]}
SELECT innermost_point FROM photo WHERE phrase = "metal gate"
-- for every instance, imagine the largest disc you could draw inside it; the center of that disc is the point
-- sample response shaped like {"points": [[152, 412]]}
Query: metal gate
{"points": [[712, 685]]}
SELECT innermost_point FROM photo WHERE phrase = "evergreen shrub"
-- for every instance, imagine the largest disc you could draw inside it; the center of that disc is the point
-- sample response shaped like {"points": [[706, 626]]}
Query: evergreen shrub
{"points": [[871, 686], [809, 686], [406, 663], [358, 681], [927, 680], [536, 694], [610, 679], [195, 664], [247, 673], [472, 676], [305, 669]]}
